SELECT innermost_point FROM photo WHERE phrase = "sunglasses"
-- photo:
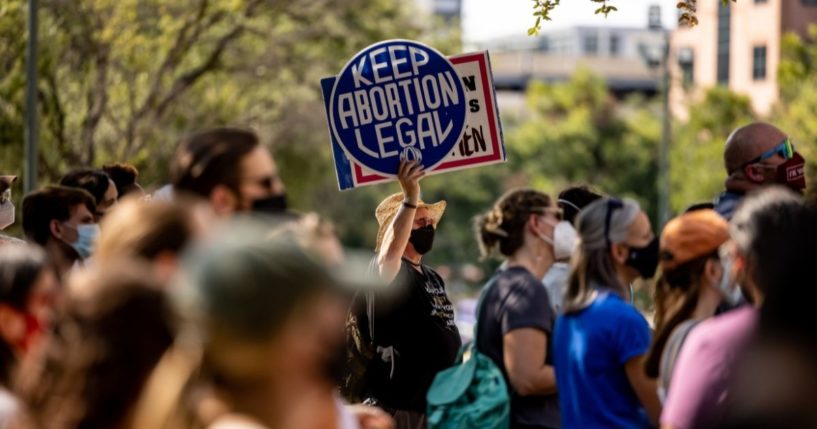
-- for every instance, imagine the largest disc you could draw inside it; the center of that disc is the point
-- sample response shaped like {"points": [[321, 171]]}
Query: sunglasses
{"points": [[784, 149], [267, 182], [612, 205]]}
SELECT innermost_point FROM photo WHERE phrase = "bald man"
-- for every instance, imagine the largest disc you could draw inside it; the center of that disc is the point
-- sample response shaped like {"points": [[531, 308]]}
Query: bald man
{"points": [[757, 155]]}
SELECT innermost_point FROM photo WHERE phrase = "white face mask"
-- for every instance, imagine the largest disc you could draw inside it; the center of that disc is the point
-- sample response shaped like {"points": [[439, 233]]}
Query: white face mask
{"points": [[564, 239], [730, 291], [6, 212]]}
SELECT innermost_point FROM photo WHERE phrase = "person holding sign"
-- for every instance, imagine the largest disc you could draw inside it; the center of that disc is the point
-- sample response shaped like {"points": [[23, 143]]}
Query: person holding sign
{"points": [[414, 335]]}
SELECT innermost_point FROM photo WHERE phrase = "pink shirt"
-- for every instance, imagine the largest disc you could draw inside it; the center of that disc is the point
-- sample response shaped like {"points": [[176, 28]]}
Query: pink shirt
{"points": [[702, 374]]}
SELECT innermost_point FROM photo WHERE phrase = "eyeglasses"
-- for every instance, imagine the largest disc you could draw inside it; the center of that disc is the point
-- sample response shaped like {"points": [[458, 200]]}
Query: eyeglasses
{"points": [[612, 204], [784, 149]]}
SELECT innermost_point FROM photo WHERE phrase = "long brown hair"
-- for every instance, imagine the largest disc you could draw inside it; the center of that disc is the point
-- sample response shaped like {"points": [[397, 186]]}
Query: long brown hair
{"points": [[676, 297], [115, 326]]}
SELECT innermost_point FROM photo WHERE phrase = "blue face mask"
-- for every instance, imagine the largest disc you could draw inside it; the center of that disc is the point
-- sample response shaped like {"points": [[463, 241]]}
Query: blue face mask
{"points": [[87, 234]]}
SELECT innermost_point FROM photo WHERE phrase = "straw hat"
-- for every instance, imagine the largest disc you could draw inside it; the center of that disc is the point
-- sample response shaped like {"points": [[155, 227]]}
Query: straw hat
{"points": [[387, 209]]}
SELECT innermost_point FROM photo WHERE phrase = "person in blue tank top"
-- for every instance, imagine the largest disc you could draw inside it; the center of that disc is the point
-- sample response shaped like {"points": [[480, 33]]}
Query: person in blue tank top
{"points": [[601, 339]]}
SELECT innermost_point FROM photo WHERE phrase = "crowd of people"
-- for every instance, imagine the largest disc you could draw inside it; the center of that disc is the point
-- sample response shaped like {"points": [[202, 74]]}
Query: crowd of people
{"points": [[210, 304]]}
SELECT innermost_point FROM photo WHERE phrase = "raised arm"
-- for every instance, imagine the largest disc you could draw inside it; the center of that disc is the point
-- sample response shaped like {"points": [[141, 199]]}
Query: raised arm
{"points": [[397, 236]]}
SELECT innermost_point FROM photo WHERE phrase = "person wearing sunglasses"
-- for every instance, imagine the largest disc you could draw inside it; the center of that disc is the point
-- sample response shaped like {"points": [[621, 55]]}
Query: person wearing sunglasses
{"points": [[231, 169], [601, 340], [757, 155], [516, 317]]}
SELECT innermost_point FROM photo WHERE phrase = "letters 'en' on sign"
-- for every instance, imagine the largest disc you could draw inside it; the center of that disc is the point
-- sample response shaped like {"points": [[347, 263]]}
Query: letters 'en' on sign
{"points": [[397, 98], [481, 142]]}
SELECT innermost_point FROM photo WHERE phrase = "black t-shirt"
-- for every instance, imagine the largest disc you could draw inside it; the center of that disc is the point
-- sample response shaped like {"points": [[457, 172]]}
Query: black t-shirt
{"points": [[516, 299], [415, 338]]}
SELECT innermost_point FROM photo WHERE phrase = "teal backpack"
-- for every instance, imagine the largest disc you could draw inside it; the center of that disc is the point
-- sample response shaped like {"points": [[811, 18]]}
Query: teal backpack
{"points": [[472, 393]]}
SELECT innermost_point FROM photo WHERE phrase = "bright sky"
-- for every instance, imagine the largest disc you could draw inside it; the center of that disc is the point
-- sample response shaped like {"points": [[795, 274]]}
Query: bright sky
{"points": [[487, 19]]}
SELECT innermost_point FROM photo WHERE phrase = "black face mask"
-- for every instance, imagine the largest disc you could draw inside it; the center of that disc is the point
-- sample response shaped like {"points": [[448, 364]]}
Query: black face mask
{"points": [[275, 204], [644, 259], [422, 239]]}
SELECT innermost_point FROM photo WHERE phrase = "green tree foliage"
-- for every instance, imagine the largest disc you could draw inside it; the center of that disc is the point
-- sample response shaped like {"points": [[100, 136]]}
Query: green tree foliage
{"points": [[696, 154], [123, 79], [795, 114], [577, 132], [543, 8]]}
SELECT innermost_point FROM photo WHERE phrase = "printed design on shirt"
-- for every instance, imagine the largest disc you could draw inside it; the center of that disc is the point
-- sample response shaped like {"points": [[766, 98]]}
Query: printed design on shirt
{"points": [[441, 307]]}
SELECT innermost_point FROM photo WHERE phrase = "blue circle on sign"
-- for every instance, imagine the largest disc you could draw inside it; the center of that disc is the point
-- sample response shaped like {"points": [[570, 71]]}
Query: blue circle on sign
{"points": [[397, 98]]}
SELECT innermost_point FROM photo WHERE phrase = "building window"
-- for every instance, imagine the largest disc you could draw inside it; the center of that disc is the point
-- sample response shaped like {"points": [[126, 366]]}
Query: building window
{"points": [[544, 44], [724, 30], [809, 2], [686, 61], [615, 45], [760, 1], [759, 63], [591, 44]]}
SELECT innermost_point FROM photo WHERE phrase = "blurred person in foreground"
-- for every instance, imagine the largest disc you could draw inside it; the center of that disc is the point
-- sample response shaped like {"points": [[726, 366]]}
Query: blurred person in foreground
{"points": [[515, 324], [270, 318], [565, 240], [153, 231], [112, 327], [61, 220], [693, 283], [98, 184], [774, 385], [415, 336], [601, 340], [755, 156], [124, 178], [705, 366], [231, 170], [7, 209], [27, 288]]}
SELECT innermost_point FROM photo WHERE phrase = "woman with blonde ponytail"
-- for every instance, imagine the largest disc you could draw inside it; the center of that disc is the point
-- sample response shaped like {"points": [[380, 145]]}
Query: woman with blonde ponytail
{"points": [[515, 318]]}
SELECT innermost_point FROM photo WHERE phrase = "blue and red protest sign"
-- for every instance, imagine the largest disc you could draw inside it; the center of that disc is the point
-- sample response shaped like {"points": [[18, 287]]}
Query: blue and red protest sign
{"points": [[401, 98]]}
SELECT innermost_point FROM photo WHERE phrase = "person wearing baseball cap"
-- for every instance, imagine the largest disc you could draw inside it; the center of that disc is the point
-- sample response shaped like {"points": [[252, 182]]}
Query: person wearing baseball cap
{"points": [[691, 286]]}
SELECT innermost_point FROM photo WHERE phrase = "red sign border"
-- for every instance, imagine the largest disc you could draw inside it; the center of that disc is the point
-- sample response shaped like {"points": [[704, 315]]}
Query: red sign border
{"points": [[481, 58]]}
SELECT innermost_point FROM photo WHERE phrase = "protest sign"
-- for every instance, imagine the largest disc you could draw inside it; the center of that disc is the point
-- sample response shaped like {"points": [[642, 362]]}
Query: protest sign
{"points": [[397, 98], [480, 142]]}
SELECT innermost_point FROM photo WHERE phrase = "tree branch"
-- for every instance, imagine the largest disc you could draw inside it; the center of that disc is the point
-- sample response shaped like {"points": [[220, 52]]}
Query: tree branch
{"points": [[97, 98]]}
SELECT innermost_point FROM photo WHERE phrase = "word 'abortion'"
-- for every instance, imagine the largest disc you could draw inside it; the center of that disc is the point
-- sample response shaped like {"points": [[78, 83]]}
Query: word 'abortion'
{"points": [[391, 98]]}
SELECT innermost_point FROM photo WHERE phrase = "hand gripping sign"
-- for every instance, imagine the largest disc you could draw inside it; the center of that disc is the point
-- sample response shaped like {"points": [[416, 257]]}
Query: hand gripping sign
{"points": [[400, 100], [396, 99]]}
